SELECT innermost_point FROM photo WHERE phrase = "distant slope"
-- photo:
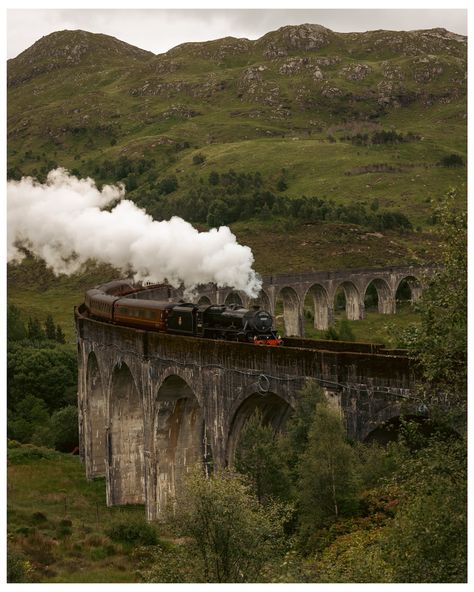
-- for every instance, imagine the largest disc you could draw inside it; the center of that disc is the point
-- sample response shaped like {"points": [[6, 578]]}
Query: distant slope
{"points": [[66, 49], [357, 119]]}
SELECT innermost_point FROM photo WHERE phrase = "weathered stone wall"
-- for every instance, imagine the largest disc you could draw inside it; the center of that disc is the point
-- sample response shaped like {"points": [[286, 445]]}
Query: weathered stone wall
{"points": [[153, 405]]}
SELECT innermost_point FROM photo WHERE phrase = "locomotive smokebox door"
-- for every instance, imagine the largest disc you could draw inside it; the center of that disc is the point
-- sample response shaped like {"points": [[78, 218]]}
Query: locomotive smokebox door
{"points": [[262, 321]]}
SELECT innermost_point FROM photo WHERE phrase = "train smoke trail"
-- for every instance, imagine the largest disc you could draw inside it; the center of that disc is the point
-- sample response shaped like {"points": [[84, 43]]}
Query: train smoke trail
{"points": [[64, 222]]}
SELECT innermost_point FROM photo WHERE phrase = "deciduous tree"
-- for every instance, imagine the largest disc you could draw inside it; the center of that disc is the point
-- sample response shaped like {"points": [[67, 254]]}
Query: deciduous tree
{"points": [[233, 535]]}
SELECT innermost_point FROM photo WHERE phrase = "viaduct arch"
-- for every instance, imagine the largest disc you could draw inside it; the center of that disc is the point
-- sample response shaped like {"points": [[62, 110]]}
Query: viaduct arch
{"points": [[153, 405], [291, 290]]}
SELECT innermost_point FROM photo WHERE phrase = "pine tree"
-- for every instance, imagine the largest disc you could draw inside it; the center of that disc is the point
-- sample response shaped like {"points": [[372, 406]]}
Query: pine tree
{"points": [[59, 336], [16, 330], [35, 332], [50, 328]]}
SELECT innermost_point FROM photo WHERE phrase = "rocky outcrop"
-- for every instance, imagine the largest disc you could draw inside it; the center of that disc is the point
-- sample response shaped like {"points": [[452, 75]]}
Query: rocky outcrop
{"points": [[356, 71], [158, 87], [426, 68], [64, 49], [251, 86], [329, 91], [294, 38], [392, 71], [217, 50], [294, 66], [180, 111]]}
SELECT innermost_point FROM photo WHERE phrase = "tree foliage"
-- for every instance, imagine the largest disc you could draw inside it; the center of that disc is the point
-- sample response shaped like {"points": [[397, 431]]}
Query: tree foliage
{"points": [[41, 384], [427, 540], [232, 534], [327, 481], [259, 457], [64, 427], [16, 330], [48, 372], [439, 345], [50, 328]]}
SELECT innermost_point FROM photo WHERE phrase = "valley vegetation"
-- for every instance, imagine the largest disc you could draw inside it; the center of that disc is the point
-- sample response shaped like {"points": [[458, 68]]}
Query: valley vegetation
{"points": [[305, 505], [321, 150]]}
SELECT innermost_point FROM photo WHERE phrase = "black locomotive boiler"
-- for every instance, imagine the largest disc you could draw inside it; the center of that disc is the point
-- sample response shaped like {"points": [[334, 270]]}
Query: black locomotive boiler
{"points": [[122, 303]]}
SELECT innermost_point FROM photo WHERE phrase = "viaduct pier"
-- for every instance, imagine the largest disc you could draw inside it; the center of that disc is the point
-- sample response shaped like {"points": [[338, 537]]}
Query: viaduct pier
{"points": [[291, 291], [152, 405]]}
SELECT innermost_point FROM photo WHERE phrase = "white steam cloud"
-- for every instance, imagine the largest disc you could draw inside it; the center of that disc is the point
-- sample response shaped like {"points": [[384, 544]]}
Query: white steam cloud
{"points": [[63, 221]]}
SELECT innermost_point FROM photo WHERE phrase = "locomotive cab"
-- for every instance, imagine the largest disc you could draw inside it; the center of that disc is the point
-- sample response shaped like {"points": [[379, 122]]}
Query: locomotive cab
{"points": [[182, 319]]}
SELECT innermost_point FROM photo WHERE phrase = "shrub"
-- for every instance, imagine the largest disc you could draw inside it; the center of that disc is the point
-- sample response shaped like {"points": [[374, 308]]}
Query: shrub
{"points": [[168, 185], [39, 518], [18, 568], [198, 158], [134, 532], [29, 453], [233, 535], [39, 548], [64, 427], [214, 178], [452, 160], [345, 331], [171, 565]]}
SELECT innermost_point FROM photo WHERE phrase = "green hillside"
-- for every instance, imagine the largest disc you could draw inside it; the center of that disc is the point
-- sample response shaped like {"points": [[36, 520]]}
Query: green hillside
{"points": [[321, 150], [58, 522], [374, 121]]}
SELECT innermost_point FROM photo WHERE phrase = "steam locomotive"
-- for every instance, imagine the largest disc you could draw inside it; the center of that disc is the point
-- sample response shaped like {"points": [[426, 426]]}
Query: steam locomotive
{"points": [[118, 302]]}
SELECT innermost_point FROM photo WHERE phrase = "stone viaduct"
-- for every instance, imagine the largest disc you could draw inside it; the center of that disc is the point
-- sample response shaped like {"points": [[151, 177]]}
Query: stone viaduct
{"points": [[153, 405], [291, 291]]}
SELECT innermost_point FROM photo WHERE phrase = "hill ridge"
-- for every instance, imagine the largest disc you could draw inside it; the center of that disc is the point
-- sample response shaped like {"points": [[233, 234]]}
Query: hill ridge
{"points": [[347, 128]]}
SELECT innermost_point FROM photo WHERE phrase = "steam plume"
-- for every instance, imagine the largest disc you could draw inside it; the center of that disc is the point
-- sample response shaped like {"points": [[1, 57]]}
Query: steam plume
{"points": [[64, 222]]}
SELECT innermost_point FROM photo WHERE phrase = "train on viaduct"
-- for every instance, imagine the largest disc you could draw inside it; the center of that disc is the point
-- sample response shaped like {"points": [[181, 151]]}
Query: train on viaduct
{"points": [[153, 405]]}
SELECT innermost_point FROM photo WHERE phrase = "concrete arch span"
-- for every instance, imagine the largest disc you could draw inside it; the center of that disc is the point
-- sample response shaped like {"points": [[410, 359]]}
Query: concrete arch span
{"points": [[274, 410], [179, 439], [385, 296], [263, 301], [234, 298], [292, 316], [204, 300], [323, 314], [125, 445], [354, 304], [414, 286], [96, 420]]}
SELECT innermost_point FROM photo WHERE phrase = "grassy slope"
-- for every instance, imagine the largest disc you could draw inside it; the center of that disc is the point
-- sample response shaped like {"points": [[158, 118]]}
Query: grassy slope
{"points": [[79, 551], [69, 117], [242, 134], [37, 292]]}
